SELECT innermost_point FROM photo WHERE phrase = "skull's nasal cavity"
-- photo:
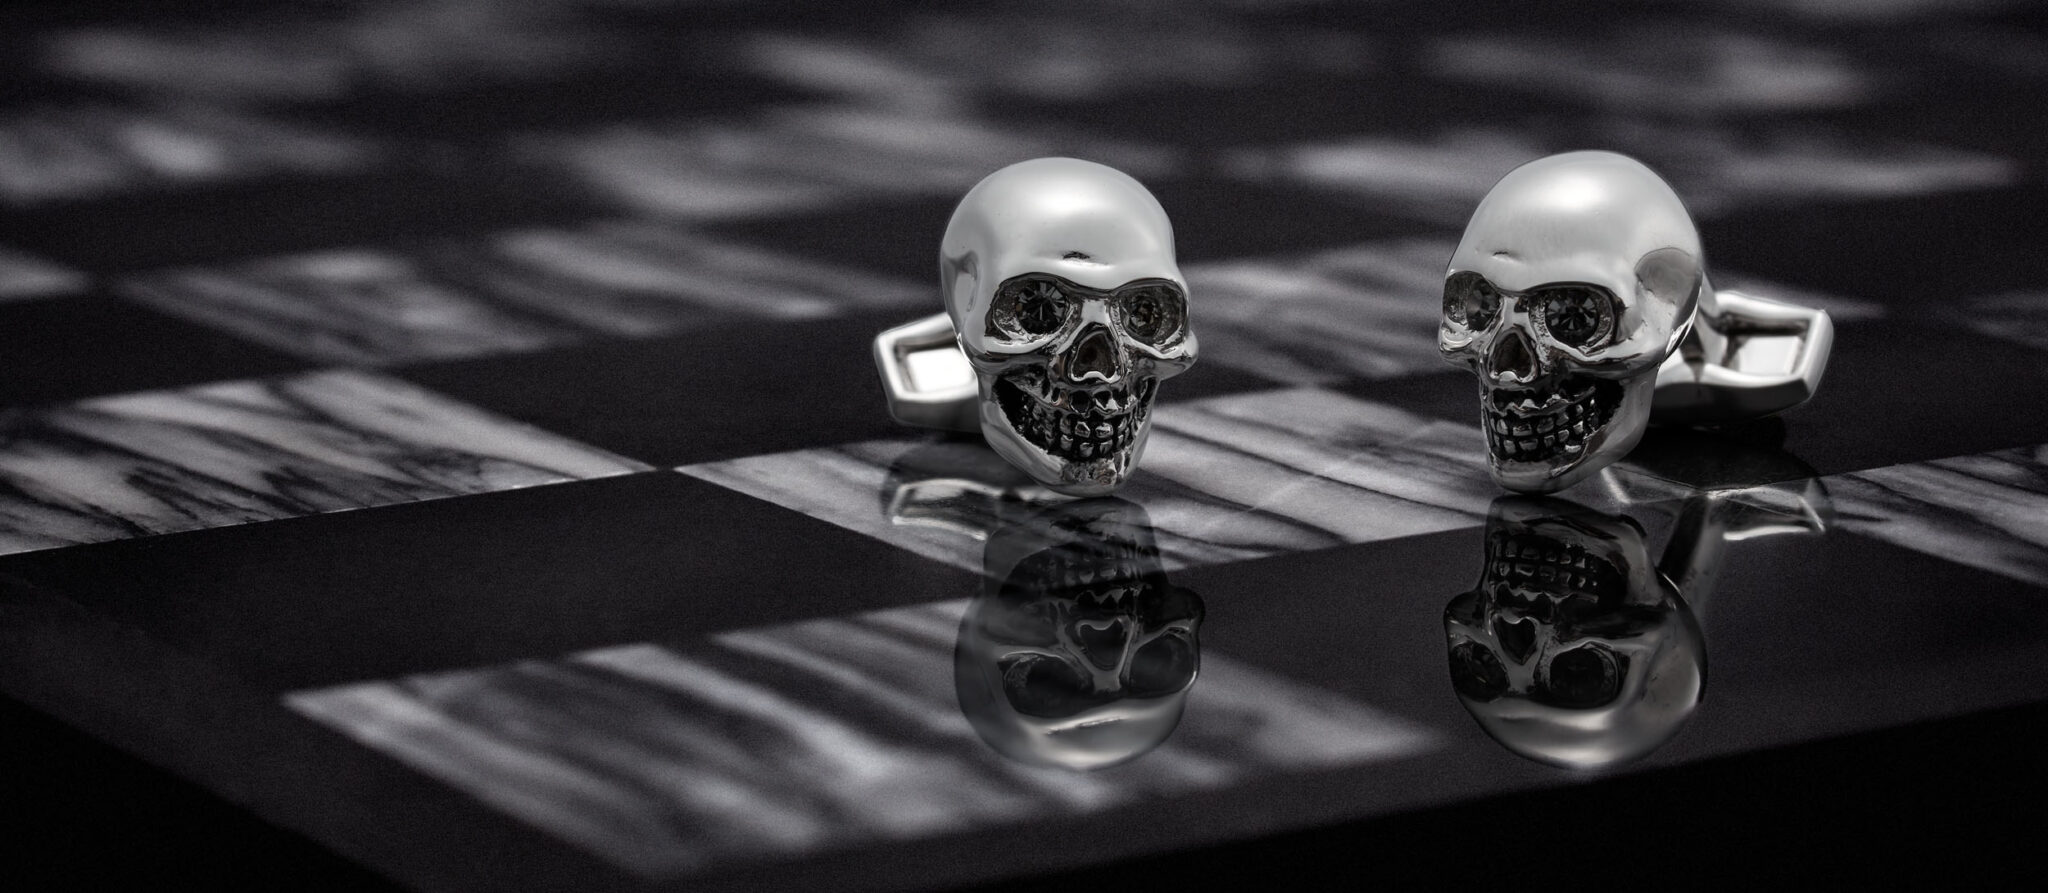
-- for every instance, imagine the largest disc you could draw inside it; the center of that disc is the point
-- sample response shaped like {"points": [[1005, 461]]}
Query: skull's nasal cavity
{"points": [[1094, 358], [1102, 643], [1514, 356]]}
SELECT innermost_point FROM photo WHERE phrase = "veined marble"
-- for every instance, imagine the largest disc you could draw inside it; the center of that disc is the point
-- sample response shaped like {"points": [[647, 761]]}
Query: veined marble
{"points": [[930, 60], [327, 52], [1440, 177], [1223, 479], [1714, 71], [58, 153], [240, 451], [792, 740], [23, 276], [798, 159], [510, 292], [1988, 511]]}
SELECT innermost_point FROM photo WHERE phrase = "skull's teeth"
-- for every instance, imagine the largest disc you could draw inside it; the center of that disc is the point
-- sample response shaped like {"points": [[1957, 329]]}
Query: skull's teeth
{"points": [[1517, 433], [1077, 425], [1527, 558]]}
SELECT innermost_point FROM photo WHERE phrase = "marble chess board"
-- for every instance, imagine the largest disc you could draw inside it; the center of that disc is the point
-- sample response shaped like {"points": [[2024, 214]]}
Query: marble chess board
{"points": [[446, 432]]}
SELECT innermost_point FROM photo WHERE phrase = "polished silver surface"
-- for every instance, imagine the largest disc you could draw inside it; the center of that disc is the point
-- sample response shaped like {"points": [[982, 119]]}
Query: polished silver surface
{"points": [[1579, 297], [1078, 654], [1065, 300], [1747, 357], [1574, 648]]}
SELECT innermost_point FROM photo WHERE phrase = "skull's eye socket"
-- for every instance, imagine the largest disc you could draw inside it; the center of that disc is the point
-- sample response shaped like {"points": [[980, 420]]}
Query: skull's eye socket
{"points": [[1163, 666], [1477, 673], [1470, 301], [1583, 677], [1153, 314], [1037, 685], [1027, 309], [1575, 315]]}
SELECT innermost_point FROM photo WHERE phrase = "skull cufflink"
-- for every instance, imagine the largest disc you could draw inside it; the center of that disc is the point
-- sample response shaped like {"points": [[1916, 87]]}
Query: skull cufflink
{"points": [[1065, 309], [1579, 297]]}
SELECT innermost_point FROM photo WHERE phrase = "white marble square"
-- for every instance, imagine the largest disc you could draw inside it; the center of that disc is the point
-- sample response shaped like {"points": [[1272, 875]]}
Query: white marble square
{"points": [[316, 52], [797, 159], [1440, 177], [940, 59], [1662, 67], [1223, 479], [234, 452], [787, 741], [78, 152], [1988, 511]]}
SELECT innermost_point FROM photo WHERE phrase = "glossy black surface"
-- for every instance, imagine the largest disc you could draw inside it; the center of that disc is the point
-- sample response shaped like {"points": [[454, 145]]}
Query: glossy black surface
{"points": [[804, 647]]}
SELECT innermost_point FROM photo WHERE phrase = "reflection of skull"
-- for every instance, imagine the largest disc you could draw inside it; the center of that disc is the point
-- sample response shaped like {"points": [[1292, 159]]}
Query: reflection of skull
{"points": [[1573, 650], [1079, 654], [1576, 278], [1060, 278]]}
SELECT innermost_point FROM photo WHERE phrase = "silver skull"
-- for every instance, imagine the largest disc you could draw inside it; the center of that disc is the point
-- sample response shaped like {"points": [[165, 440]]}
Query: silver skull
{"points": [[1573, 649], [1060, 279], [1079, 653], [1576, 278]]}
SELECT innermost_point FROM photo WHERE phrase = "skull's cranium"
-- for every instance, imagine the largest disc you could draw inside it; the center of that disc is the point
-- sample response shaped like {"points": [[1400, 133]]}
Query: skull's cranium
{"points": [[1079, 654], [1576, 278], [1573, 649], [1060, 279]]}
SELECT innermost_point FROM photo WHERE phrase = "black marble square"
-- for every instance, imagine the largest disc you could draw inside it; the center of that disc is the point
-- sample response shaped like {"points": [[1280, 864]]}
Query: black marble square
{"points": [[482, 579], [64, 347]]}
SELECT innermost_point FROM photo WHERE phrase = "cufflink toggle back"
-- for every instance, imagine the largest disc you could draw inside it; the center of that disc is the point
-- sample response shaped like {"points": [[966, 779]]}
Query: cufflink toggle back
{"points": [[1579, 297], [1065, 309]]}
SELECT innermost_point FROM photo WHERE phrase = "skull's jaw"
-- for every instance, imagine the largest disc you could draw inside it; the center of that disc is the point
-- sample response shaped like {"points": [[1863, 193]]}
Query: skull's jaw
{"points": [[1081, 442], [1542, 440]]}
